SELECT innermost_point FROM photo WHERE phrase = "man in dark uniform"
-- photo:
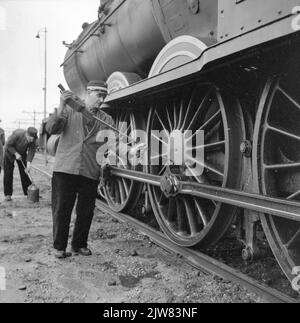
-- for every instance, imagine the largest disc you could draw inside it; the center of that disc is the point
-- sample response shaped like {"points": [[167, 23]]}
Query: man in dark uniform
{"points": [[20, 146], [2, 143], [76, 172]]}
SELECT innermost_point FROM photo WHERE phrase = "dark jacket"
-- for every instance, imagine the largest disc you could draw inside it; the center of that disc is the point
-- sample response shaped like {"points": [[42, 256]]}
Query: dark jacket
{"points": [[77, 148], [17, 142], [2, 143]]}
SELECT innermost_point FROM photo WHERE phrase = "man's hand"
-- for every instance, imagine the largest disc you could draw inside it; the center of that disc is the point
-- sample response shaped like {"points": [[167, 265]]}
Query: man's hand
{"points": [[69, 98], [18, 156], [65, 96]]}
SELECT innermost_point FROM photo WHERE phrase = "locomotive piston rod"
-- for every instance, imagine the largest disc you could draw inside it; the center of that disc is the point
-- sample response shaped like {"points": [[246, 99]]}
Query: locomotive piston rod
{"points": [[264, 204]]}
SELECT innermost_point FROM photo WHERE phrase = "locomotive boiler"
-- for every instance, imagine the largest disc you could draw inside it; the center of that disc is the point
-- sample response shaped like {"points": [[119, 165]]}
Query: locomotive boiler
{"points": [[228, 68], [132, 37]]}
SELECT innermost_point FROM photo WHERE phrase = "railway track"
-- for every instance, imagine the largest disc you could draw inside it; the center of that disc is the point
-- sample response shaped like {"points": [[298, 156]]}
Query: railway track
{"points": [[195, 258]]}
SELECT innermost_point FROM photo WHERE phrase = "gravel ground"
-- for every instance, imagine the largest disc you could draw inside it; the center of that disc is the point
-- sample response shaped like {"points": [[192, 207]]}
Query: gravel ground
{"points": [[126, 267]]}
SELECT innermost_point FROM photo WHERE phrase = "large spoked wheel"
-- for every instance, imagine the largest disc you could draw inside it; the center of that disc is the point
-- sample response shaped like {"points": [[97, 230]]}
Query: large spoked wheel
{"points": [[187, 220], [122, 194], [276, 158]]}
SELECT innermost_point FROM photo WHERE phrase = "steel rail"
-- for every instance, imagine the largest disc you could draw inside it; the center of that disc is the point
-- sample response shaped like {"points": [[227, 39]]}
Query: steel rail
{"points": [[196, 259], [263, 204], [201, 261]]}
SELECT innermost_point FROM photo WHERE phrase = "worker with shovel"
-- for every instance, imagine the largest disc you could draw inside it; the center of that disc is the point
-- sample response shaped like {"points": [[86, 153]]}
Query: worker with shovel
{"points": [[20, 146]]}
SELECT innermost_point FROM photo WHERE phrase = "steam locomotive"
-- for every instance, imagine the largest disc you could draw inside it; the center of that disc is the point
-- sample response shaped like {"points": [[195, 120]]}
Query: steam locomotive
{"points": [[225, 67]]}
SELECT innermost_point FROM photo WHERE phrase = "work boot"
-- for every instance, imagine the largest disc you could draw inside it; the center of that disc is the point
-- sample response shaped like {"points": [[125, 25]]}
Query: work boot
{"points": [[82, 251], [7, 198], [62, 254]]}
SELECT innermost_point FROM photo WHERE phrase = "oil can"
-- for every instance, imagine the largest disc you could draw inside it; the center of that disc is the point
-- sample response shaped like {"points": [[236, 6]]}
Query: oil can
{"points": [[33, 193]]}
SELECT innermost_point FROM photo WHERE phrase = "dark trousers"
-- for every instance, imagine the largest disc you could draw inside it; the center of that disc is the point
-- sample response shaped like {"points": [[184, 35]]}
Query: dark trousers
{"points": [[8, 168], [65, 189]]}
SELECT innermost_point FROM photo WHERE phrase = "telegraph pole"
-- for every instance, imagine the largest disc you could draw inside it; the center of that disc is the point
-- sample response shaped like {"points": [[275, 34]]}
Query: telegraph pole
{"points": [[45, 31]]}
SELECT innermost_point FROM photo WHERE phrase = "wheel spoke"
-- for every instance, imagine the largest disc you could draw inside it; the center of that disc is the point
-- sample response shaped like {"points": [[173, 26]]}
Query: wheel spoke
{"points": [[194, 175], [159, 139], [190, 217], [282, 166], [161, 199], [126, 187], [209, 147], [183, 127], [158, 156], [212, 121], [202, 212], [161, 122], [123, 162], [169, 120], [210, 134], [180, 115], [294, 102], [294, 195], [130, 125], [282, 132], [122, 192], [294, 242], [162, 170], [175, 117], [200, 108]]}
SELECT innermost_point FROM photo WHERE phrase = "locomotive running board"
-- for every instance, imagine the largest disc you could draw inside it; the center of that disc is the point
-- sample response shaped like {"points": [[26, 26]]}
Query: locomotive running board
{"points": [[263, 204], [201, 65]]}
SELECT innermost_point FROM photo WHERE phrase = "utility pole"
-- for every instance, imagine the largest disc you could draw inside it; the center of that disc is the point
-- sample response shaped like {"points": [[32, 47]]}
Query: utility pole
{"points": [[45, 31]]}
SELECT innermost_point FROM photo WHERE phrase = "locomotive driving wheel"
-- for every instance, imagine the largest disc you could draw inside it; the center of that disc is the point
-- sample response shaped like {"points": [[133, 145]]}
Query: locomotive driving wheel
{"points": [[276, 158], [187, 220], [122, 194]]}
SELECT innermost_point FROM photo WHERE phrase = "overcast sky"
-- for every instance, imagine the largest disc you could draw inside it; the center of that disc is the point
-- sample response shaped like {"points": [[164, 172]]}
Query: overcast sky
{"points": [[22, 55]]}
